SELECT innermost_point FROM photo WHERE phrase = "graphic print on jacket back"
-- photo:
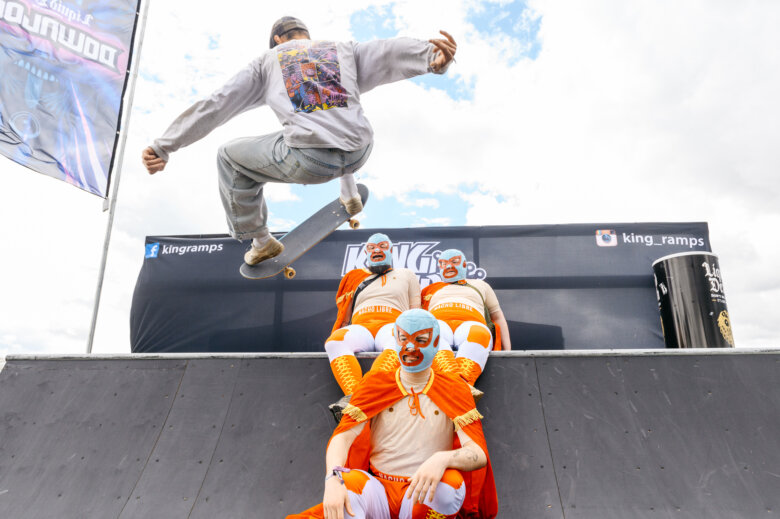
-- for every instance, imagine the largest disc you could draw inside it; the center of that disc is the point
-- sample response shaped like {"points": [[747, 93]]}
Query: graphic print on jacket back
{"points": [[312, 75]]}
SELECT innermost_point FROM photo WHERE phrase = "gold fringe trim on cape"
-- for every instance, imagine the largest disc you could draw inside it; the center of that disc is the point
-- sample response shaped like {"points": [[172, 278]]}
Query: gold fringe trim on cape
{"points": [[466, 419], [355, 413], [344, 296], [348, 295]]}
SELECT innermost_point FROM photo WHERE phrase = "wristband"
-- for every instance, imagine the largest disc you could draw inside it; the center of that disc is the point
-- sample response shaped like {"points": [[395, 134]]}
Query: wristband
{"points": [[337, 472]]}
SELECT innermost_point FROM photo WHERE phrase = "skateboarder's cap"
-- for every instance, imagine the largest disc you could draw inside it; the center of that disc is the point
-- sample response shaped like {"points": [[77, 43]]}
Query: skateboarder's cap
{"points": [[286, 24]]}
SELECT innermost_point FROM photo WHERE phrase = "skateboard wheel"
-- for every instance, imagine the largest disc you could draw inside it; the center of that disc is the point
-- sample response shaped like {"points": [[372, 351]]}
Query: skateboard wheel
{"points": [[289, 272], [354, 224]]}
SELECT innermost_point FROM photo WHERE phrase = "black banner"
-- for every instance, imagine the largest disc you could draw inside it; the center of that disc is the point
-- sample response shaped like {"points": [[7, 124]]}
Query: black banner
{"points": [[582, 286]]}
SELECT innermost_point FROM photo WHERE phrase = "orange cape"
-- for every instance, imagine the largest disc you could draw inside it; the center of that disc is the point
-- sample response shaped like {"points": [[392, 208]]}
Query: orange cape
{"points": [[379, 390], [347, 287], [427, 294]]}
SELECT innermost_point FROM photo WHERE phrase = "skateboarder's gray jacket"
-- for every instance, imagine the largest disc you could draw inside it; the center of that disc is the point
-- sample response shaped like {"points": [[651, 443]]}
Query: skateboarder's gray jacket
{"points": [[314, 88]]}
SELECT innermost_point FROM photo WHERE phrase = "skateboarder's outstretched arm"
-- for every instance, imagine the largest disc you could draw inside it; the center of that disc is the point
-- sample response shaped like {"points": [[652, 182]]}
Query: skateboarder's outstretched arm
{"points": [[241, 93], [385, 61]]}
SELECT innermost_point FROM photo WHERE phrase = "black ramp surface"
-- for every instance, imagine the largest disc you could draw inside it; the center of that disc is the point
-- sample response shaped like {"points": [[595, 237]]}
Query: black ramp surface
{"points": [[270, 460], [617, 436], [682, 436], [75, 436], [517, 439], [177, 467]]}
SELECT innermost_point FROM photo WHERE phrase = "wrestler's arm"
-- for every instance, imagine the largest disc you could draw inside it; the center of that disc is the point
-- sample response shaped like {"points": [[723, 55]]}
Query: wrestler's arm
{"points": [[335, 497], [348, 313], [497, 316], [500, 320], [469, 457], [348, 319]]}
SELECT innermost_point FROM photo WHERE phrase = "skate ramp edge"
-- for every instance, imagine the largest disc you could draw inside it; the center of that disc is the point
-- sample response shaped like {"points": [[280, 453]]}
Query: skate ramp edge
{"points": [[596, 434]]}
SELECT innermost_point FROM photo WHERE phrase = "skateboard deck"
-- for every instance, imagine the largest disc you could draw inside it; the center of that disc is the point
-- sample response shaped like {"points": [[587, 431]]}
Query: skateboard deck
{"points": [[305, 236]]}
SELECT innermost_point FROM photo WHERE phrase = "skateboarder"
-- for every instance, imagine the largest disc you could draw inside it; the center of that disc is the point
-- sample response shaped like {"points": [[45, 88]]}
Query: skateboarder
{"points": [[465, 308], [411, 443], [368, 301], [314, 88]]}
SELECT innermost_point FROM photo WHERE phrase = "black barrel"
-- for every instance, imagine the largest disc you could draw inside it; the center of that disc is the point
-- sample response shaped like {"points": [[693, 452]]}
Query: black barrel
{"points": [[692, 302]]}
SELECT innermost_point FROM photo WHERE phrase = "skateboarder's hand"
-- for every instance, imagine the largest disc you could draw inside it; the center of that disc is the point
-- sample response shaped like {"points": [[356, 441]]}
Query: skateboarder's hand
{"points": [[446, 52], [335, 500], [151, 161]]}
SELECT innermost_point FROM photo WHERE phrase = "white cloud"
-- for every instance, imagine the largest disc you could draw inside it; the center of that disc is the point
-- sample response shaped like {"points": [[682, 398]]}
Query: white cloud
{"points": [[281, 223], [434, 222], [280, 193], [433, 203]]}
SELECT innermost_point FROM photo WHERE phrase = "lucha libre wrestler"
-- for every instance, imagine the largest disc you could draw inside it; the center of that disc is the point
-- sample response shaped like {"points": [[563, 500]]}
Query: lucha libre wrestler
{"points": [[410, 444], [369, 300], [463, 307]]}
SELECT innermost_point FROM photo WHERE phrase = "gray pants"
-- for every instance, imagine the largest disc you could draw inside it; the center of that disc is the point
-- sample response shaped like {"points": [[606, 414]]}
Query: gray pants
{"points": [[246, 164]]}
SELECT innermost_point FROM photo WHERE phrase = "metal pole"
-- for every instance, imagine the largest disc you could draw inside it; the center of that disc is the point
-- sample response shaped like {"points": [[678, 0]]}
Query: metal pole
{"points": [[111, 202]]}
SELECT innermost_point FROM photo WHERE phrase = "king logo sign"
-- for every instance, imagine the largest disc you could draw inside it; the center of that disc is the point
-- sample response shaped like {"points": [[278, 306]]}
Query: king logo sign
{"points": [[420, 257]]}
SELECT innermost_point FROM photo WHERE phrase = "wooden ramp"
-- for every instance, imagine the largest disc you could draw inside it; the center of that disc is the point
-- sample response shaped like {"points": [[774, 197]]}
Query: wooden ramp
{"points": [[572, 435]]}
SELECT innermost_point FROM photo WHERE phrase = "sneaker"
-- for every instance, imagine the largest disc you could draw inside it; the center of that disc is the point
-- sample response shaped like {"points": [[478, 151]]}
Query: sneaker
{"points": [[338, 407], [273, 247], [353, 205]]}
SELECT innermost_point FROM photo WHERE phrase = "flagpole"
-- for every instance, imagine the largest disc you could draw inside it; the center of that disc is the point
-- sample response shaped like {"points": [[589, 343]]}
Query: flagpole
{"points": [[110, 203]]}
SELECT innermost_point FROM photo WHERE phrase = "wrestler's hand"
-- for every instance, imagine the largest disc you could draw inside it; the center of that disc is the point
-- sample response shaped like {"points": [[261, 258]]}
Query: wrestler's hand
{"points": [[427, 477], [446, 52], [335, 500], [151, 161]]}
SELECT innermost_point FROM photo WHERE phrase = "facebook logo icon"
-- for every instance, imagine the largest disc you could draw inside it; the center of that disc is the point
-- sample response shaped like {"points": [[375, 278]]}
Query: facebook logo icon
{"points": [[152, 249]]}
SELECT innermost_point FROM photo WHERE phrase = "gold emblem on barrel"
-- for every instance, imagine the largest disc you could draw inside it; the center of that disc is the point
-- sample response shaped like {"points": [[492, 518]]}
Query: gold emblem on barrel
{"points": [[724, 323]]}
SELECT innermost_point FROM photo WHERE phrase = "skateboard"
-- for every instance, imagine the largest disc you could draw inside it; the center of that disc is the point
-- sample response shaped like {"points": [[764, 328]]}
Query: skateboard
{"points": [[308, 234]]}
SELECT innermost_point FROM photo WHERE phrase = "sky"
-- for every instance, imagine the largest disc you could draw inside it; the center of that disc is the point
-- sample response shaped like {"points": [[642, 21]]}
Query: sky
{"points": [[606, 111]]}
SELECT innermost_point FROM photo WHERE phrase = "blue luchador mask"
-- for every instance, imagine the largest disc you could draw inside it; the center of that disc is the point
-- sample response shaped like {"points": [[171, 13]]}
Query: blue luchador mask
{"points": [[452, 266], [379, 251], [416, 339]]}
